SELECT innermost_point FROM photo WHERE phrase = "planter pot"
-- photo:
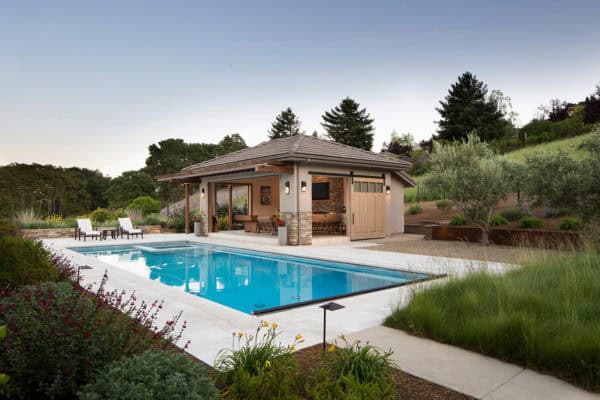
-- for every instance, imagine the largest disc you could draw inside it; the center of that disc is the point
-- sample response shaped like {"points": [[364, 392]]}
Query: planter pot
{"points": [[199, 229], [282, 235]]}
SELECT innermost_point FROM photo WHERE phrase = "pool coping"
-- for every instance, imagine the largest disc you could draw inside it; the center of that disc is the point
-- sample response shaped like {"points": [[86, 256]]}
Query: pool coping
{"points": [[429, 277]]}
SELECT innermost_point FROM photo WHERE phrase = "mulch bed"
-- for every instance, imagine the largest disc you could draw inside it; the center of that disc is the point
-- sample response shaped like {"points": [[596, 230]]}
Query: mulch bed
{"points": [[409, 387]]}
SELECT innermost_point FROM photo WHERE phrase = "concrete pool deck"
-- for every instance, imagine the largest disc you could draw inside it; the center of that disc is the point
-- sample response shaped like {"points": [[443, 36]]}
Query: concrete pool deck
{"points": [[210, 325]]}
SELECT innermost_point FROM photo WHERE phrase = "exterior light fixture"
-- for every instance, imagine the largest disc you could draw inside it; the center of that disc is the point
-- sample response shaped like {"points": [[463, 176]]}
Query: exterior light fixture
{"points": [[328, 307], [286, 189], [303, 186], [203, 193], [387, 189]]}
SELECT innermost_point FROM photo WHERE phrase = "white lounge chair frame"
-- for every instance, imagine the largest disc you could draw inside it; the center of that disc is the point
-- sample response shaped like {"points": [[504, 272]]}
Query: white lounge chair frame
{"points": [[85, 229], [128, 228]]}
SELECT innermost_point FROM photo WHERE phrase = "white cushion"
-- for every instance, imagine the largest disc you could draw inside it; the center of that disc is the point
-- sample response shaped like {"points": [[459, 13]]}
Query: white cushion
{"points": [[133, 230], [126, 224], [84, 225]]}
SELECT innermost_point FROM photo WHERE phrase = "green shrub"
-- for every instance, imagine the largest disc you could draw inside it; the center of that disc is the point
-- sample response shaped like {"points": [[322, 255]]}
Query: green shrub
{"points": [[570, 224], [223, 222], [24, 262], [100, 215], [444, 205], [531, 222], [8, 228], [151, 219], [177, 220], [257, 367], [544, 315], [458, 220], [353, 372], [61, 334], [146, 204], [514, 213], [497, 220], [151, 375], [415, 209]]}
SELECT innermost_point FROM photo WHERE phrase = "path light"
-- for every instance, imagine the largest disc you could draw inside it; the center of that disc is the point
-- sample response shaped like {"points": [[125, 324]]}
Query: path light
{"points": [[303, 186], [79, 268], [331, 307], [287, 187]]}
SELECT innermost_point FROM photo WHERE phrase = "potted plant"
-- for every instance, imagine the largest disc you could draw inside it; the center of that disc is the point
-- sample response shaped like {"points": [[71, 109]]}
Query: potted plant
{"points": [[281, 232], [199, 225]]}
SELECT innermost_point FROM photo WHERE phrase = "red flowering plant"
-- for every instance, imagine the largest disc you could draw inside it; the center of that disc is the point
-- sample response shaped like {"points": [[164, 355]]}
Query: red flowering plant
{"points": [[280, 222], [60, 333]]}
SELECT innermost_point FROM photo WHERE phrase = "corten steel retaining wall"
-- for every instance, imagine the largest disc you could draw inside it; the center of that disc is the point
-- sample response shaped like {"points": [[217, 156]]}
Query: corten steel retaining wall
{"points": [[52, 233], [507, 237]]}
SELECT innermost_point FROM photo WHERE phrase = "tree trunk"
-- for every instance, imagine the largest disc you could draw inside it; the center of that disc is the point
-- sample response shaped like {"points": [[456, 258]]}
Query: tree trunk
{"points": [[485, 237]]}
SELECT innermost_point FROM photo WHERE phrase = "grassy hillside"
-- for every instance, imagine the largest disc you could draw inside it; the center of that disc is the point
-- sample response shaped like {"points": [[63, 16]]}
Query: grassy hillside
{"points": [[569, 145]]}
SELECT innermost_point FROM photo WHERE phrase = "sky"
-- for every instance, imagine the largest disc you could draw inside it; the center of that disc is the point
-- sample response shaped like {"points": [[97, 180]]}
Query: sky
{"points": [[93, 84]]}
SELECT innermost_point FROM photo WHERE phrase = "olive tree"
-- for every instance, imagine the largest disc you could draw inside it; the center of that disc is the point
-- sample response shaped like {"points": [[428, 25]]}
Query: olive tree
{"points": [[558, 181], [473, 177]]}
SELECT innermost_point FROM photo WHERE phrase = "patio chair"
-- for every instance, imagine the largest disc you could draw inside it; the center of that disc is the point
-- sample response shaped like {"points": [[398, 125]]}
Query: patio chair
{"points": [[127, 227], [84, 228], [266, 224]]}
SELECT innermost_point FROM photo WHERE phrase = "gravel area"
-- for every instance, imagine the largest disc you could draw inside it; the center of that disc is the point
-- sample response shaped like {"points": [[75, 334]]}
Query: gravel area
{"points": [[409, 387], [456, 249]]}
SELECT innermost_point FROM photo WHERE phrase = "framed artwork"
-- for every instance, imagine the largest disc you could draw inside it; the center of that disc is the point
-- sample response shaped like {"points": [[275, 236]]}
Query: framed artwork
{"points": [[265, 195]]}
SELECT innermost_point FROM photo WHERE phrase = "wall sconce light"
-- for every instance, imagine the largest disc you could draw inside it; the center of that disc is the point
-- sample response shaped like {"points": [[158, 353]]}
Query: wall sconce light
{"points": [[203, 193], [303, 186], [387, 189], [286, 189]]}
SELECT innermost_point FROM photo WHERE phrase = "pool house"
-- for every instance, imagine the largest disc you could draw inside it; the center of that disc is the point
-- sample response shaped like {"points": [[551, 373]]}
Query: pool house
{"points": [[316, 186]]}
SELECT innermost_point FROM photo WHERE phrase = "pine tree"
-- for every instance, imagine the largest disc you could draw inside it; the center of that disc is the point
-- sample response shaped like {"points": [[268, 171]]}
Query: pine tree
{"points": [[350, 125], [592, 108], [285, 124], [468, 108]]}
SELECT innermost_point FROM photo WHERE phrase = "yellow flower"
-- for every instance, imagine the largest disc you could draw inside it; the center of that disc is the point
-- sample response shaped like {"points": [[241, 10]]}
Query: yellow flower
{"points": [[293, 347], [240, 334], [331, 348], [299, 338], [265, 324], [274, 325], [267, 364]]}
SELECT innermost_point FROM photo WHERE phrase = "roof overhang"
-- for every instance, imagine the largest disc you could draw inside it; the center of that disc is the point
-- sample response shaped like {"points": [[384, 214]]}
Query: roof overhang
{"points": [[405, 179], [281, 164]]}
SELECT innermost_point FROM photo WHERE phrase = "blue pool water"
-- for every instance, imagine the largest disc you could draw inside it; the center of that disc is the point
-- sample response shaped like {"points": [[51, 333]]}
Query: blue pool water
{"points": [[248, 281]]}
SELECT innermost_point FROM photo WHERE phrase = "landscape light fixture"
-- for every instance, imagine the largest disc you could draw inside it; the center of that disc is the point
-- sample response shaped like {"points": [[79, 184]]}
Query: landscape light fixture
{"points": [[203, 193], [303, 186], [387, 189], [287, 187], [331, 306]]}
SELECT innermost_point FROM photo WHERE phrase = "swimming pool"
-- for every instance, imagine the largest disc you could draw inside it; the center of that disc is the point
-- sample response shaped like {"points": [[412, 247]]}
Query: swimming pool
{"points": [[249, 281]]}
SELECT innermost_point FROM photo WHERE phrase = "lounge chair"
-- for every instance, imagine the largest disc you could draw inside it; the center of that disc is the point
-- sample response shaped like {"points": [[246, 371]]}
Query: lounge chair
{"points": [[84, 228], [127, 227]]}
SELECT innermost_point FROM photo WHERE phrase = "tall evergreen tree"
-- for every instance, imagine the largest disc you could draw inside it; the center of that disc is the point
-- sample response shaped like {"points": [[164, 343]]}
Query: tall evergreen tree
{"points": [[592, 108], [285, 124], [348, 124], [468, 108]]}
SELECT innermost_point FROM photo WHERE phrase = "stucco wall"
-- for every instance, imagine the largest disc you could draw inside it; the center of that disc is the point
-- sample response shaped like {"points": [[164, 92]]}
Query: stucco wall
{"points": [[396, 214]]}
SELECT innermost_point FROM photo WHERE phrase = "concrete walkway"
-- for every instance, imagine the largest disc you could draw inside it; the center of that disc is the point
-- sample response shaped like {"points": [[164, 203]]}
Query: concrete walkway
{"points": [[468, 372]]}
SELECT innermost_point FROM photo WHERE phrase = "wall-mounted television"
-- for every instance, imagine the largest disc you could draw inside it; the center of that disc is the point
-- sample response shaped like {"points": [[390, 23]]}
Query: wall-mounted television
{"points": [[320, 191]]}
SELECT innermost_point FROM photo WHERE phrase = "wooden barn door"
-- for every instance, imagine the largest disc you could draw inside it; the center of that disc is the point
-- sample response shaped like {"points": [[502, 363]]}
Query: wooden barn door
{"points": [[367, 219]]}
